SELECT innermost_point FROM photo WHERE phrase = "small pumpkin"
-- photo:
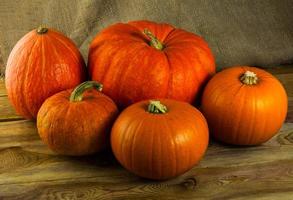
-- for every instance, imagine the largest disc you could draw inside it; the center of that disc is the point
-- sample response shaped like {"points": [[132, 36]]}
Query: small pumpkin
{"points": [[77, 122], [244, 105], [159, 139], [142, 60], [42, 63]]}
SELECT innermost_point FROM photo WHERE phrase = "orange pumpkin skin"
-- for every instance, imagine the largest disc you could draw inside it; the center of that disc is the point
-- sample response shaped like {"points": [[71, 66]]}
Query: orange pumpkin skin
{"points": [[243, 114], [41, 64], [77, 128], [159, 146], [122, 59]]}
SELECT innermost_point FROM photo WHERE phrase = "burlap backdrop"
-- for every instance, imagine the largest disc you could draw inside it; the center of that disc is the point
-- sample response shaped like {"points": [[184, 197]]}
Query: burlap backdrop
{"points": [[240, 32]]}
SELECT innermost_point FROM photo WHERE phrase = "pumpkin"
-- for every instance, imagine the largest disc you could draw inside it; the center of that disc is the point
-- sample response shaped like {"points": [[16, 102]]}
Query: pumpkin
{"points": [[244, 105], [159, 139], [41, 64], [143, 60], [77, 122]]}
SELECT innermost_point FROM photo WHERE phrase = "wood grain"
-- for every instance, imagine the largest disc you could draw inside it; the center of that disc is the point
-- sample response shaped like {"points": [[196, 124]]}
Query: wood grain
{"points": [[7, 112], [2, 87], [29, 170]]}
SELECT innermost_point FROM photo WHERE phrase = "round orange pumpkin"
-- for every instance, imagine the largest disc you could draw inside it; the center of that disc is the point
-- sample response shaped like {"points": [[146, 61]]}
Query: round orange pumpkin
{"points": [[244, 105], [143, 60], [77, 122], [41, 64], [161, 139]]}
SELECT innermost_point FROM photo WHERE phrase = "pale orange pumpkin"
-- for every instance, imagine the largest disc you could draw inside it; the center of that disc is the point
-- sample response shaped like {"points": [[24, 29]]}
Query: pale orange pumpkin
{"points": [[244, 105], [159, 139], [42, 63]]}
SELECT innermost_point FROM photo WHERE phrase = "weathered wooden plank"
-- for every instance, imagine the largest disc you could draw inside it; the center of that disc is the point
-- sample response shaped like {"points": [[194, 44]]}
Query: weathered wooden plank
{"points": [[31, 171], [2, 87], [253, 182], [7, 112], [21, 134]]}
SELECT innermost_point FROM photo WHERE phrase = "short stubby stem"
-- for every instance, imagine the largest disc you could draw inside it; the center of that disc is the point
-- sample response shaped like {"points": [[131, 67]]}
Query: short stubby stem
{"points": [[154, 41], [249, 78], [42, 29], [156, 107], [77, 93]]}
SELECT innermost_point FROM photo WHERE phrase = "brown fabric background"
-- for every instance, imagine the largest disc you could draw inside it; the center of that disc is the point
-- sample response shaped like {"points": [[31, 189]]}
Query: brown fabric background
{"points": [[240, 32]]}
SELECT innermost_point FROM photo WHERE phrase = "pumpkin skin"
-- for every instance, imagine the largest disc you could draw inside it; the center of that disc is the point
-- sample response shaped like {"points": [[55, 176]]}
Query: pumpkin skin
{"points": [[243, 114], [122, 57], [159, 146], [41, 64], [78, 127]]}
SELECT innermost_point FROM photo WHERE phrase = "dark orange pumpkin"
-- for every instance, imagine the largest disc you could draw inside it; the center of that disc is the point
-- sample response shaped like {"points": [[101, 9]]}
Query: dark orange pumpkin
{"points": [[244, 105], [161, 139], [41, 64], [77, 122], [144, 60]]}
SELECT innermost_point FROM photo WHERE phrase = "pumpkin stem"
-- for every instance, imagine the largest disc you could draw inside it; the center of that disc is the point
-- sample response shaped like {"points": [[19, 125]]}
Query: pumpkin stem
{"points": [[154, 42], [77, 93], [156, 107], [249, 78], [42, 29]]}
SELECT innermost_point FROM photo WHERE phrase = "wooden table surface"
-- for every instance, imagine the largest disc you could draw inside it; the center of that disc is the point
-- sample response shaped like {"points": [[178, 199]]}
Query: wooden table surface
{"points": [[29, 170]]}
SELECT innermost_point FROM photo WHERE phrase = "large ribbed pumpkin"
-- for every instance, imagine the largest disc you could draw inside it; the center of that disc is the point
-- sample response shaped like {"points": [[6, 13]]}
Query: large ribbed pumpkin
{"points": [[159, 139], [244, 105], [41, 64], [143, 60]]}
